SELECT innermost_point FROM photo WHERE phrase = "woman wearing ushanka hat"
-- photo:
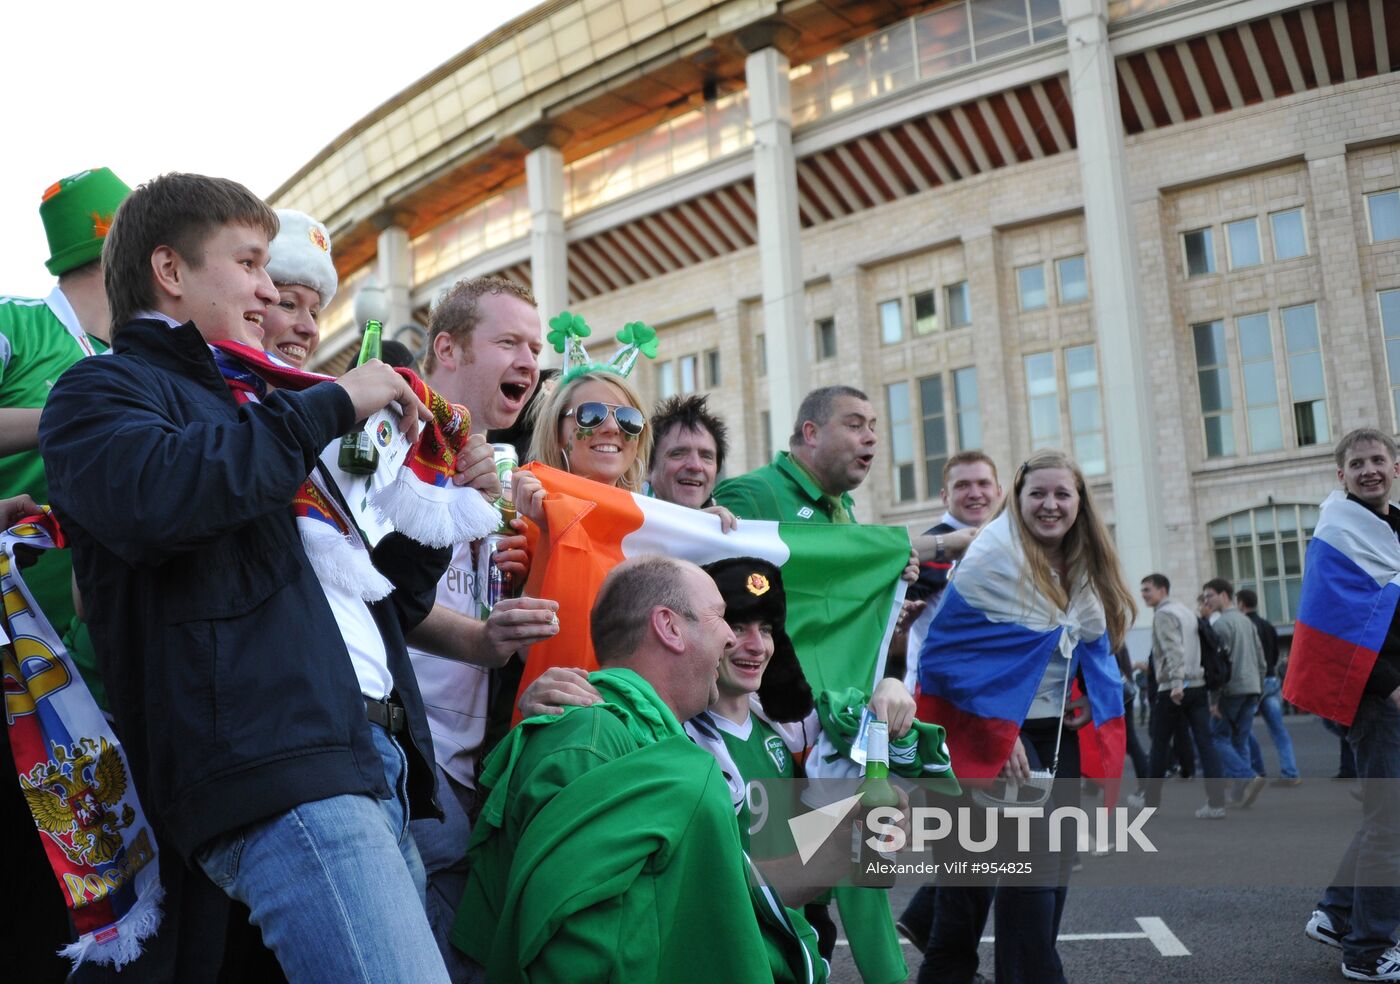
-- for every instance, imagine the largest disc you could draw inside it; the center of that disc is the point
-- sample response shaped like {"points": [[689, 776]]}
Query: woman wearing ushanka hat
{"points": [[299, 263]]}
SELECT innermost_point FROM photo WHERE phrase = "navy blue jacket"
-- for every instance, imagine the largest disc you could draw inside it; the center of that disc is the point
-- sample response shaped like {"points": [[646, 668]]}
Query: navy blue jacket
{"points": [[231, 685]]}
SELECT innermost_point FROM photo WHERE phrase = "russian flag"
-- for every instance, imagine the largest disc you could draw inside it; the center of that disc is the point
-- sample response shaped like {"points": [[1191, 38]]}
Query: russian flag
{"points": [[1351, 586], [987, 649]]}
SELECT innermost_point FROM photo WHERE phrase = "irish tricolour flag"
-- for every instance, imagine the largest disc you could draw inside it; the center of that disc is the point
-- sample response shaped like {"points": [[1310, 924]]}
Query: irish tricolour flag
{"points": [[842, 582], [1351, 586]]}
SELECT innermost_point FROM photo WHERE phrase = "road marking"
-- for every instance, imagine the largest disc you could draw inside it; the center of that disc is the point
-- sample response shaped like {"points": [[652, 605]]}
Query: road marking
{"points": [[1154, 930], [1162, 938]]}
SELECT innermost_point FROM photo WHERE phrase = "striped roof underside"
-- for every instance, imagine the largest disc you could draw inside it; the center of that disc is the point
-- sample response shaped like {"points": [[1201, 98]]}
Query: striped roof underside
{"points": [[1239, 65]]}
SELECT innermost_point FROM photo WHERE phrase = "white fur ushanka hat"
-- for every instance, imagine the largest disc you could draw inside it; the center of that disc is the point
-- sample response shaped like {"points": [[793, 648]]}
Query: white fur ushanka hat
{"points": [[301, 254]]}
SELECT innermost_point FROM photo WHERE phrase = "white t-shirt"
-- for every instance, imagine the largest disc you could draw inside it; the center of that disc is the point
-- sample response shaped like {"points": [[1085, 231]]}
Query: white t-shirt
{"points": [[455, 693], [360, 632]]}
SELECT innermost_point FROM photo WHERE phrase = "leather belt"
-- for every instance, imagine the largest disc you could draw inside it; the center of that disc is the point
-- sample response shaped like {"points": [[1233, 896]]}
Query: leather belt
{"points": [[387, 713]]}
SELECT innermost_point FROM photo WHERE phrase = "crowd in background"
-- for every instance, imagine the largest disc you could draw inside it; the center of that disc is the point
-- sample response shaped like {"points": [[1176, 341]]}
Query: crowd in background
{"points": [[318, 715]]}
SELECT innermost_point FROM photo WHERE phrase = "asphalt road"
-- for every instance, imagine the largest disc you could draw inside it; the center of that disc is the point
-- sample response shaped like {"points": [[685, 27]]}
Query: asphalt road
{"points": [[1227, 934]]}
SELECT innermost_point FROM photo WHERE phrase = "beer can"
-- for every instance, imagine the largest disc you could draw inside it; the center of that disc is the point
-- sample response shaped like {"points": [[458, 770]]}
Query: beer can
{"points": [[491, 584], [506, 463]]}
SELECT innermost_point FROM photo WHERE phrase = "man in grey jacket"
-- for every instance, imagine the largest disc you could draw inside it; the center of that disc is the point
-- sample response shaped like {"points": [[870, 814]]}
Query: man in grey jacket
{"points": [[1176, 661], [1232, 712]]}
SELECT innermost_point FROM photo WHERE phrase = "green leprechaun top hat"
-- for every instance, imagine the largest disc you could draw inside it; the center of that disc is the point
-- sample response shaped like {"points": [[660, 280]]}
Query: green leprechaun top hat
{"points": [[77, 212]]}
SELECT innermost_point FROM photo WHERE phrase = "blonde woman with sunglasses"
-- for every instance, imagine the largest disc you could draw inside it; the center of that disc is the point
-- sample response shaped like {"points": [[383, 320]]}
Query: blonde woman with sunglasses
{"points": [[593, 426]]}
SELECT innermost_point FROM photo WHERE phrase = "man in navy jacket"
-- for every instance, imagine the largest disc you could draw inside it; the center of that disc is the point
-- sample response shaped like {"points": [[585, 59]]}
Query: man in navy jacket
{"points": [[271, 736]]}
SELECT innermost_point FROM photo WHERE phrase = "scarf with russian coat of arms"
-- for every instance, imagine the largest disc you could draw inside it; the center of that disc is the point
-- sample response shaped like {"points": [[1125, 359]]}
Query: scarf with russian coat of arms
{"points": [[74, 774]]}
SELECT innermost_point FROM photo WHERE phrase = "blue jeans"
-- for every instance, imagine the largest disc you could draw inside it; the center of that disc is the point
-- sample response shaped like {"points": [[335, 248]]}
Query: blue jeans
{"points": [[1231, 733], [1365, 898], [1271, 710], [443, 847], [336, 885]]}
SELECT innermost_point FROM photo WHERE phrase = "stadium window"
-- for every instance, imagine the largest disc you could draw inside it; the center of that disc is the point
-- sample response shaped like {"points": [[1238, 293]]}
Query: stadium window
{"points": [[1305, 377], [1290, 235], [901, 443], [891, 322], [1043, 399], [712, 376], [761, 343], [826, 338], [1199, 245], [925, 312], [688, 365], [1265, 549], [1074, 282], [1213, 379], [969, 414], [959, 305], [1254, 337], [1242, 240], [668, 379], [1383, 213], [1389, 303], [1030, 286], [935, 430], [1085, 409]]}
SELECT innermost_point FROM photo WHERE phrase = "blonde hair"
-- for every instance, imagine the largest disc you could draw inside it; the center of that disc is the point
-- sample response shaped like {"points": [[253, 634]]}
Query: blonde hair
{"points": [[1087, 549], [549, 414]]}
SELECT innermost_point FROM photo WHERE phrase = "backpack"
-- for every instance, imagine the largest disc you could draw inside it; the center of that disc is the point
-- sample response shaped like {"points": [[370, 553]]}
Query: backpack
{"points": [[1215, 656]]}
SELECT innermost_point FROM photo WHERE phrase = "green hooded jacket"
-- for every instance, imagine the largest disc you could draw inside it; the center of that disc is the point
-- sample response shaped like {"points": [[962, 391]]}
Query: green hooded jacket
{"points": [[607, 850]]}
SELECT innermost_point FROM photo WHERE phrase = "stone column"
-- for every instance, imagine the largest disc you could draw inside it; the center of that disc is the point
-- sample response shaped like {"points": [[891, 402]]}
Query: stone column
{"points": [[1346, 302], [544, 184], [1117, 306], [990, 345], [395, 266], [779, 230]]}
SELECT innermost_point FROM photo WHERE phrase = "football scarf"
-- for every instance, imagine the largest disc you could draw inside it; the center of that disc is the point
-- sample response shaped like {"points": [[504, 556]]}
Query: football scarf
{"points": [[74, 774], [417, 499]]}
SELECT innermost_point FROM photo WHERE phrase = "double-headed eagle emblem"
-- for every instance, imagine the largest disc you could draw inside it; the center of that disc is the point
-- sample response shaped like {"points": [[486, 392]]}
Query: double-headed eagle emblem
{"points": [[74, 796]]}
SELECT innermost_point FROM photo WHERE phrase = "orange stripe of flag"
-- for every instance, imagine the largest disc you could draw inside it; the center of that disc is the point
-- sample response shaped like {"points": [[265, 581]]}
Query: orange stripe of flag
{"points": [[587, 523]]}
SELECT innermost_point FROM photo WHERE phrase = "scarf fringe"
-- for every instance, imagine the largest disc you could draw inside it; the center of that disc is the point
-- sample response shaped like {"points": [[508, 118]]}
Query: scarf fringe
{"points": [[437, 516], [140, 922], [336, 560]]}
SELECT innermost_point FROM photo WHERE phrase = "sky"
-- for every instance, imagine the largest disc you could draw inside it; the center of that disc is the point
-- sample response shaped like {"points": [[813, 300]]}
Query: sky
{"points": [[250, 92]]}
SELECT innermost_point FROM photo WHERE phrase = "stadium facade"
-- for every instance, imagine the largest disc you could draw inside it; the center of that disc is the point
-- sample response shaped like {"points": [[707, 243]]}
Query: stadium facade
{"points": [[1164, 235]]}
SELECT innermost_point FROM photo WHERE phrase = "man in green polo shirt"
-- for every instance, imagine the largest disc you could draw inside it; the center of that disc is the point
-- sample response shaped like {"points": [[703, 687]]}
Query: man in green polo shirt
{"points": [[40, 338], [830, 453]]}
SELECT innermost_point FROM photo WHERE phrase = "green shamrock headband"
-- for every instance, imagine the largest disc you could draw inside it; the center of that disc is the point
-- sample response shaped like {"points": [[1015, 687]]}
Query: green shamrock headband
{"points": [[567, 332]]}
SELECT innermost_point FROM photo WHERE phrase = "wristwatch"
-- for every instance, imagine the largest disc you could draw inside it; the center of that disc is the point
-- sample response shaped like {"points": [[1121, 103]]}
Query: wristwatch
{"points": [[938, 552]]}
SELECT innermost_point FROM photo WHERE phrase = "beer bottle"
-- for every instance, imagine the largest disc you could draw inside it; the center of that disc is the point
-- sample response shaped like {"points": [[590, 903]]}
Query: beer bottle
{"points": [[358, 455], [875, 791]]}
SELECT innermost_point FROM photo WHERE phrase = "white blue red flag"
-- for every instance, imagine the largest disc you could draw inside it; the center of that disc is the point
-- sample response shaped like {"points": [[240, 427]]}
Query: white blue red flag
{"points": [[988, 648], [74, 776], [1351, 585]]}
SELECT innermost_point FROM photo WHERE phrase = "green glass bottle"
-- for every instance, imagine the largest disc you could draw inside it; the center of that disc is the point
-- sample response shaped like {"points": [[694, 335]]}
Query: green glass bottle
{"points": [[873, 869], [358, 455]]}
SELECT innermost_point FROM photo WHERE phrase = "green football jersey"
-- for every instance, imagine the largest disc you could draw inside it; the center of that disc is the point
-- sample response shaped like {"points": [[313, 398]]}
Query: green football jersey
{"points": [[760, 754], [36, 347]]}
